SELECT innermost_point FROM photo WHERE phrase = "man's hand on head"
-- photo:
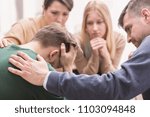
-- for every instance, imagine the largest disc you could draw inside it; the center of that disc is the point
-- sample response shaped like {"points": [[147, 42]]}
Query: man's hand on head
{"points": [[67, 58]]}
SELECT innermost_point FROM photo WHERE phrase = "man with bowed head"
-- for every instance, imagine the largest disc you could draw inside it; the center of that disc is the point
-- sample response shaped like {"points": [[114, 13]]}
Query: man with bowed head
{"points": [[50, 42]]}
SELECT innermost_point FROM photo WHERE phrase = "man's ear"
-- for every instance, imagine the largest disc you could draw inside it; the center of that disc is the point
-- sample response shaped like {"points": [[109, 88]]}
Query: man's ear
{"points": [[53, 55], [146, 14]]}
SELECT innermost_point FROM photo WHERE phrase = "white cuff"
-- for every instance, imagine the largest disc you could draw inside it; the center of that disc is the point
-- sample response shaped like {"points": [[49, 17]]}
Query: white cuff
{"points": [[45, 80]]}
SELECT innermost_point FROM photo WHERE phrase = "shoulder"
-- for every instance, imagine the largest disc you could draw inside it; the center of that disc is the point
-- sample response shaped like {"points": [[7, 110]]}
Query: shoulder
{"points": [[145, 44], [25, 22], [119, 39]]}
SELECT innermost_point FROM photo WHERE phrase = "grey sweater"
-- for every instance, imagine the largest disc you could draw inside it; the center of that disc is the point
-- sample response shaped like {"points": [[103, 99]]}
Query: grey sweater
{"points": [[130, 80]]}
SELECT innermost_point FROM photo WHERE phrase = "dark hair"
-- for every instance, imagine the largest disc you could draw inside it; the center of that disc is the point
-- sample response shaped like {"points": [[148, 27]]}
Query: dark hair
{"points": [[134, 7], [67, 3], [54, 35], [120, 20]]}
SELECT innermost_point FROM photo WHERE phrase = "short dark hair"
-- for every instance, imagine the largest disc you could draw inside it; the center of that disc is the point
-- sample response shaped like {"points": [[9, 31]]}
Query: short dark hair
{"points": [[120, 20], [54, 35], [67, 3], [134, 7]]}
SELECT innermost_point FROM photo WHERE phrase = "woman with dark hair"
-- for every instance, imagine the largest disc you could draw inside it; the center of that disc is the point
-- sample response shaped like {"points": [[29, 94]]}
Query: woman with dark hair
{"points": [[24, 30]]}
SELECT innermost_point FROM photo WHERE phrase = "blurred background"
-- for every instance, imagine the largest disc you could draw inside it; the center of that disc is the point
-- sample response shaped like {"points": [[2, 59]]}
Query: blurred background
{"points": [[14, 10]]}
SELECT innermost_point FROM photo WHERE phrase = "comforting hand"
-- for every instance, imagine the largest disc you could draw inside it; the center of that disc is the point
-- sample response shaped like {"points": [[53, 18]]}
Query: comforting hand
{"points": [[33, 71], [67, 58], [3, 43]]}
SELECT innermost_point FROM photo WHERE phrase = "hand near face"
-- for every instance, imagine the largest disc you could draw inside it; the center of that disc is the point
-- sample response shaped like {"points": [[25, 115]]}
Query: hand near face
{"points": [[99, 47], [99, 44], [33, 71], [67, 58], [103, 51], [104, 56], [95, 45]]}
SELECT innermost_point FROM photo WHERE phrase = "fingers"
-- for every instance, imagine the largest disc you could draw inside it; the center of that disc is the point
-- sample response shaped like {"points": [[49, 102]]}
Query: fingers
{"points": [[24, 56], [63, 49], [73, 49], [3, 43], [20, 63], [15, 71], [15, 63], [16, 59], [40, 58], [23, 74], [97, 43]]}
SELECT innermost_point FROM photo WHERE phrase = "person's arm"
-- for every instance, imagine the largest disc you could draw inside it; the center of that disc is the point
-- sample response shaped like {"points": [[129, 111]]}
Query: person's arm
{"points": [[4, 43], [67, 58], [84, 65], [91, 65], [15, 35], [106, 64], [109, 64], [126, 83], [132, 79]]}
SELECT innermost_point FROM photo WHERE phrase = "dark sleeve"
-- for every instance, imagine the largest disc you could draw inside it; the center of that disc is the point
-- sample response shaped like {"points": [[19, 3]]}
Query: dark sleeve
{"points": [[132, 79]]}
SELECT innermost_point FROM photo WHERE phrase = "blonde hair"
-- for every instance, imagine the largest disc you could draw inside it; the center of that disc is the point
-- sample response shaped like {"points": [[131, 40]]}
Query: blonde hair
{"points": [[104, 12]]}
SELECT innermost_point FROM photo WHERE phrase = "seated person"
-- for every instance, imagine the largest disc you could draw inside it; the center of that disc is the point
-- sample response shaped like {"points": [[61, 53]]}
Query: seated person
{"points": [[47, 43]]}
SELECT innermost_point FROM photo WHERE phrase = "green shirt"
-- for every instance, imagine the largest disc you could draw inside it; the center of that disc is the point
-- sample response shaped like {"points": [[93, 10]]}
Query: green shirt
{"points": [[13, 87]]}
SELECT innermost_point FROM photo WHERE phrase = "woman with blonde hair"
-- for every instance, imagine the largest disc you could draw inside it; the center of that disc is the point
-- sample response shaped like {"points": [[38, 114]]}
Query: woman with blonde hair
{"points": [[102, 47]]}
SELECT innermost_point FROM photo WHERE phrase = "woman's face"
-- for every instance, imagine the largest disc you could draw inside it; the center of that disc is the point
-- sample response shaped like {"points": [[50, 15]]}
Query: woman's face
{"points": [[56, 12], [95, 25]]}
